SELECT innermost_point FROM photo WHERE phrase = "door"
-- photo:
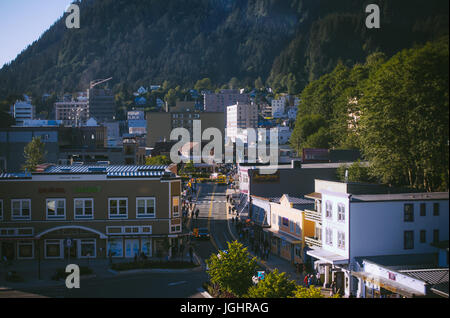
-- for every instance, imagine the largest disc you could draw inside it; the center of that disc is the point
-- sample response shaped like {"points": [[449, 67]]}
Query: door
{"points": [[131, 248], [8, 250]]}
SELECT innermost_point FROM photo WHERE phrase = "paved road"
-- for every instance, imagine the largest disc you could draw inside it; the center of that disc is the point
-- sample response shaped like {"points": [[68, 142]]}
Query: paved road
{"points": [[143, 285]]}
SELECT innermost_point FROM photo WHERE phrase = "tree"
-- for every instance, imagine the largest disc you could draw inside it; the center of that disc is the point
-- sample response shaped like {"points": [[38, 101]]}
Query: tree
{"points": [[274, 285], [233, 270], [404, 129], [357, 172], [311, 292], [203, 85], [34, 154], [157, 161], [259, 83], [309, 127]]}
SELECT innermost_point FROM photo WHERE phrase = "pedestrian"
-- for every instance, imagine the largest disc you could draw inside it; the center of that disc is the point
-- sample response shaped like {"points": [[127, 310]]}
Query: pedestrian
{"points": [[305, 280], [310, 277], [318, 278], [196, 213]]}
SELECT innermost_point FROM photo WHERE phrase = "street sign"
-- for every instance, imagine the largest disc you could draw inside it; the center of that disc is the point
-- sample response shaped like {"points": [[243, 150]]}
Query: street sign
{"points": [[261, 275], [69, 242]]}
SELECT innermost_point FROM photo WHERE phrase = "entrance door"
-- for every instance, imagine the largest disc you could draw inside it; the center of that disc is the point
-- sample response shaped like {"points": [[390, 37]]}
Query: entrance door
{"points": [[131, 248], [8, 250]]}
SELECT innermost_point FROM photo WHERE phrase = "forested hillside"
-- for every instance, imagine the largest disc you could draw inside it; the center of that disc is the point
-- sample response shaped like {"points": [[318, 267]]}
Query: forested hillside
{"points": [[286, 43]]}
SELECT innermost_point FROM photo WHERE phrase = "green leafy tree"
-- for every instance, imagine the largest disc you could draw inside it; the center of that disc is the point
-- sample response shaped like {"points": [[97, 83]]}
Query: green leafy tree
{"points": [[274, 285], [404, 129], [232, 271], [203, 84], [309, 127], [357, 172], [34, 154], [311, 292], [157, 161]]}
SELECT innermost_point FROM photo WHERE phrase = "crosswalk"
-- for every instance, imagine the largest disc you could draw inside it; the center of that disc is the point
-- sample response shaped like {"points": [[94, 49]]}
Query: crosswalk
{"points": [[208, 202]]}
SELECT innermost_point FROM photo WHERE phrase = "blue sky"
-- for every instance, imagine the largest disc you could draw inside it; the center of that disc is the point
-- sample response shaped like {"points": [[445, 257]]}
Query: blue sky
{"points": [[24, 21]]}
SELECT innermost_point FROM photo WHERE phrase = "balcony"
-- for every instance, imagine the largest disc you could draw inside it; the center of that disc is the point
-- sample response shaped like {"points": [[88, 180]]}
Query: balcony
{"points": [[313, 216], [313, 241]]}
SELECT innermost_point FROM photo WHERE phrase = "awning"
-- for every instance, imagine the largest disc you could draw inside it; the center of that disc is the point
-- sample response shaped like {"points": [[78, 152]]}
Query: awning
{"points": [[387, 284], [289, 238], [327, 256]]}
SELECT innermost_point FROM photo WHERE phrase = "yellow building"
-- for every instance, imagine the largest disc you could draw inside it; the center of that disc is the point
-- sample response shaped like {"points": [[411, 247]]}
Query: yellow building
{"points": [[288, 227]]}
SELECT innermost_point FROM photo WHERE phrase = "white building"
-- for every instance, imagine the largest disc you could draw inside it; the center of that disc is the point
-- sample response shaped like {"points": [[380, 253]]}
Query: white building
{"points": [[73, 113], [278, 107], [240, 117], [284, 133], [23, 110], [355, 224]]}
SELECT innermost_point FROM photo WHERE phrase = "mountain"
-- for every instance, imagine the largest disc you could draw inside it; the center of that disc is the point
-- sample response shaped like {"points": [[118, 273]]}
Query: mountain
{"points": [[285, 42]]}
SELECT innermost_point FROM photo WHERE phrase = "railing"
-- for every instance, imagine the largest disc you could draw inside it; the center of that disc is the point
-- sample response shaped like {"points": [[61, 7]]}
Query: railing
{"points": [[312, 241], [313, 216]]}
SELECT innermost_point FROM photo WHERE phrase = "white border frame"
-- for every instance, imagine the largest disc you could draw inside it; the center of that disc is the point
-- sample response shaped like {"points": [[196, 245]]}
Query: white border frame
{"points": [[75, 217], [20, 218], [118, 216], [61, 249], [57, 217], [79, 243], [17, 249], [146, 216]]}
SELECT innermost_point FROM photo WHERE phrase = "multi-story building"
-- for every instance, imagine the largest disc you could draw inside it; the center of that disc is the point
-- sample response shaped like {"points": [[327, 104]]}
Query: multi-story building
{"points": [[160, 124], [89, 212], [240, 117], [101, 104], [73, 112], [278, 107], [218, 102], [359, 220], [23, 110]]}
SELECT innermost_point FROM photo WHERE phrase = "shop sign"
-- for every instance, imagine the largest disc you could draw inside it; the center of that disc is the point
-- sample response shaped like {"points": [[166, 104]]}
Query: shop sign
{"points": [[95, 189], [51, 190]]}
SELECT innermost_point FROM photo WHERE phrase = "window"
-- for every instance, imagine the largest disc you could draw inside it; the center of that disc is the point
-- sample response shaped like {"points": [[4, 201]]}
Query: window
{"points": [[285, 222], [423, 236], [25, 249], [175, 228], [21, 209], [175, 206], [118, 208], [436, 209], [53, 249], [341, 212], [56, 208], [291, 226], [435, 236], [298, 230], [423, 209], [341, 240], [115, 247], [408, 240], [329, 236], [1, 209], [328, 210], [84, 208], [145, 207], [408, 210], [87, 248]]}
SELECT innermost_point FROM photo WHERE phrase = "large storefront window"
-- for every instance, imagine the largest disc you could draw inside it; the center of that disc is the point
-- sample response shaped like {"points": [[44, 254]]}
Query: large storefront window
{"points": [[25, 249], [146, 247], [87, 248], [115, 247], [53, 249]]}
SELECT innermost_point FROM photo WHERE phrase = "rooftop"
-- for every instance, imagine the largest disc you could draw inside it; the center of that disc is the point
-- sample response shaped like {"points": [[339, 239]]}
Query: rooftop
{"points": [[109, 170], [402, 196]]}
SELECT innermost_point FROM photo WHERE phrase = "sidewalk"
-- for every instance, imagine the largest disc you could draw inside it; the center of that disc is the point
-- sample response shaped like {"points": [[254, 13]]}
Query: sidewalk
{"points": [[274, 261]]}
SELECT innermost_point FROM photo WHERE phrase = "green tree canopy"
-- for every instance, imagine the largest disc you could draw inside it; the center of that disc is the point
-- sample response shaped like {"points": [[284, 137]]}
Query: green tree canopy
{"points": [[232, 271], [404, 127], [34, 154], [274, 285], [157, 161]]}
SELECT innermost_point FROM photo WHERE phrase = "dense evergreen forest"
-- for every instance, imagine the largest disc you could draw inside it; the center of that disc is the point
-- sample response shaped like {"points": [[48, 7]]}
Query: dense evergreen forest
{"points": [[284, 44]]}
